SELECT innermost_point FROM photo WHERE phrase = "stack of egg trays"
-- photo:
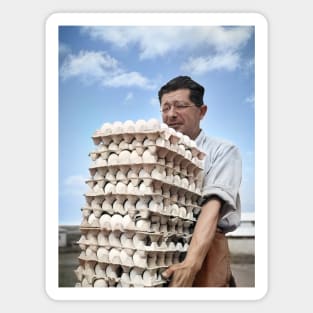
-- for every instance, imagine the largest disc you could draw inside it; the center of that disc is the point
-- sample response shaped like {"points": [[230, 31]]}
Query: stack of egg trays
{"points": [[149, 202]]}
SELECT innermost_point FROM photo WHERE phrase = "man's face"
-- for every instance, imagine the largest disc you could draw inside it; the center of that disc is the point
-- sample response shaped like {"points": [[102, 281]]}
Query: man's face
{"points": [[186, 117]]}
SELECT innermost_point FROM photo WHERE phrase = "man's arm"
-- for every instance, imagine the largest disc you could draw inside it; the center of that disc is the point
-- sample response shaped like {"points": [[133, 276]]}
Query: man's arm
{"points": [[184, 273]]}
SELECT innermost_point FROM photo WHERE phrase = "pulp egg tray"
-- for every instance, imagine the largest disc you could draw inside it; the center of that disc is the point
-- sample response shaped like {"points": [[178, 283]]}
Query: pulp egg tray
{"points": [[114, 275]]}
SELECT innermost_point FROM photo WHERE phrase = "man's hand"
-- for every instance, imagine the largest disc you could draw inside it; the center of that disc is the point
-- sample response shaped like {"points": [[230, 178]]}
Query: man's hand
{"points": [[181, 274]]}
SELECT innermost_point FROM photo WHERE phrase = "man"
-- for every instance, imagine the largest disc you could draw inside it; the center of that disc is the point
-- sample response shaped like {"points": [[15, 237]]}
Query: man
{"points": [[207, 263]]}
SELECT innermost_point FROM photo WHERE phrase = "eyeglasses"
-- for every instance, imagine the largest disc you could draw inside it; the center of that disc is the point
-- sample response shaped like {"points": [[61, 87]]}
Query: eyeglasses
{"points": [[178, 106]]}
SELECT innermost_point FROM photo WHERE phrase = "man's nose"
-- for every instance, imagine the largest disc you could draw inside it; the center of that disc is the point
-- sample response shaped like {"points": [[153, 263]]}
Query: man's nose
{"points": [[172, 112]]}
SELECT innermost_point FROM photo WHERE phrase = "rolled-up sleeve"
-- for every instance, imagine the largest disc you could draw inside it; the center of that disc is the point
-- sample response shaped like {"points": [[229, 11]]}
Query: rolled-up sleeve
{"points": [[222, 177]]}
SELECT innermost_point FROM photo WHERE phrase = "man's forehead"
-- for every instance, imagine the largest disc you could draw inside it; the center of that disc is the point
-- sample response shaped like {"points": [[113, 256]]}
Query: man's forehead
{"points": [[176, 95]]}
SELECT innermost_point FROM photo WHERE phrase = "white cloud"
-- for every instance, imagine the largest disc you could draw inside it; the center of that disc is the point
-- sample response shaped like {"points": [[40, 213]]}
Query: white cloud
{"points": [[249, 99], [202, 65], [95, 66], [74, 181], [64, 49], [129, 97], [74, 185], [159, 41], [155, 102], [128, 79]]}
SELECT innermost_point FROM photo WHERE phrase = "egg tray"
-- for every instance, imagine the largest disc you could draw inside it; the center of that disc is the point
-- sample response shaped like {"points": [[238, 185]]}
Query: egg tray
{"points": [[146, 236], [163, 247], [173, 181], [116, 282], [179, 163], [157, 187], [169, 135], [167, 211], [180, 231], [166, 260], [145, 213], [169, 196], [148, 154], [132, 201], [92, 271], [164, 234], [173, 225], [167, 175]]}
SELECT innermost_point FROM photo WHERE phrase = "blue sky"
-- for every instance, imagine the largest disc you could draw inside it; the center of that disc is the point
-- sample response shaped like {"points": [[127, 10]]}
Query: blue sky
{"points": [[109, 74]]}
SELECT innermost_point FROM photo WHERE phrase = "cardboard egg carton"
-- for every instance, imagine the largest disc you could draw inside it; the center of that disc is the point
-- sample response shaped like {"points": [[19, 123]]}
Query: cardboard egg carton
{"points": [[141, 206]]}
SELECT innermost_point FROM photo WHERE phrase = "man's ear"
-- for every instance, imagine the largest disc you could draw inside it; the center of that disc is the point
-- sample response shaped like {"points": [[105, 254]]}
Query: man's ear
{"points": [[203, 109]]}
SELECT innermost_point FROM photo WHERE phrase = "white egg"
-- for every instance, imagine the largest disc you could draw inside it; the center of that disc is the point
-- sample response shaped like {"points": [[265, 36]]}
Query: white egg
{"points": [[100, 269], [113, 159], [177, 180], [149, 277], [135, 158], [79, 272], [182, 212], [117, 222], [93, 220], [109, 188], [188, 154], [100, 282], [121, 188], [128, 223], [117, 127], [114, 240], [140, 126], [103, 254], [124, 157], [85, 283], [114, 256], [106, 129], [131, 189], [153, 124], [138, 242], [164, 126], [143, 189], [105, 221], [126, 242], [111, 271], [126, 259], [136, 278], [184, 183], [102, 239], [91, 255], [123, 145], [143, 225], [120, 176], [174, 209], [139, 260], [113, 146], [125, 278], [129, 205], [148, 157], [129, 126]]}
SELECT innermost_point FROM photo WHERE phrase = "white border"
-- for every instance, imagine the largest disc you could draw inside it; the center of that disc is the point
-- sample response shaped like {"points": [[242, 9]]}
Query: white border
{"points": [[261, 155]]}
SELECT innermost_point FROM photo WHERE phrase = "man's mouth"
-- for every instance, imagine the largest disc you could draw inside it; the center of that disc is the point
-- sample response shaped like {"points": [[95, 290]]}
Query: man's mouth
{"points": [[174, 125]]}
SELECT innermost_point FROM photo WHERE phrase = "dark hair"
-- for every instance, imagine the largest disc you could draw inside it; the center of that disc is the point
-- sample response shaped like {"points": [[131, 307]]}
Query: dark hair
{"points": [[184, 82]]}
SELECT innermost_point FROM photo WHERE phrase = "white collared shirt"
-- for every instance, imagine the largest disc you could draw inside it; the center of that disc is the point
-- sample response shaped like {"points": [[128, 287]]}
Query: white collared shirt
{"points": [[222, 177]]}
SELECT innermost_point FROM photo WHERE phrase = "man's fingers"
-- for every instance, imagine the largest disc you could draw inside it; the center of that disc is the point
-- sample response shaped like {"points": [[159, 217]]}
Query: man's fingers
{"points": [[168, 272]]}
